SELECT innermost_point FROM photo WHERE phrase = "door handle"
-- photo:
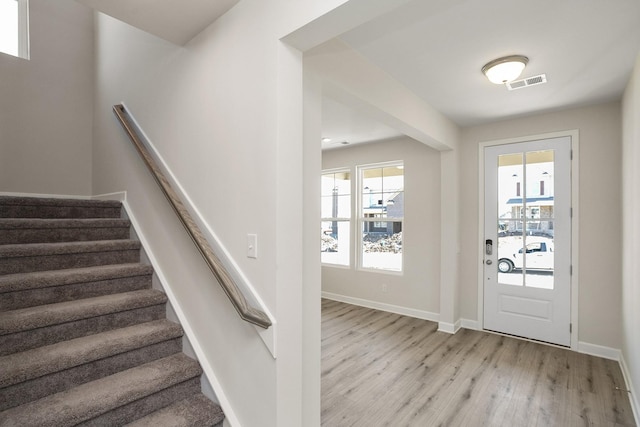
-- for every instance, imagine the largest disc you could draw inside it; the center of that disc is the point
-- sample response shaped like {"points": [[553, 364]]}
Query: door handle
{"points": [[488, 246]]}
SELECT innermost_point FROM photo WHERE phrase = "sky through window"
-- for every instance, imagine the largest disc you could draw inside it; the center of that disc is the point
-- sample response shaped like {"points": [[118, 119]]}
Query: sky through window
{"points": [[9, 27]]}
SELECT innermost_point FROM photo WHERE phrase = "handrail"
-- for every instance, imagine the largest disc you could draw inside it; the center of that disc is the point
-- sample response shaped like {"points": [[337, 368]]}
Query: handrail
{"points": [[246, 312]]}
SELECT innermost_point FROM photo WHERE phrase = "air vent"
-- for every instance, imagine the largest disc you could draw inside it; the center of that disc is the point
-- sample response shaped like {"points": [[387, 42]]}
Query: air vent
{"points": [[529, 81]]}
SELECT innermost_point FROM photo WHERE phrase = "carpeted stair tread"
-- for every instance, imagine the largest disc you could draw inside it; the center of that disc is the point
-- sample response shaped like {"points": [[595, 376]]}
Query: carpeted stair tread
{"points": [[45, 360], [97, 397], [42, 279], [45, 249], [38, 230], [47, 223], [51, 201], [37, 317], [195, 411], [23, 258], [84, 338], [32, 207]]}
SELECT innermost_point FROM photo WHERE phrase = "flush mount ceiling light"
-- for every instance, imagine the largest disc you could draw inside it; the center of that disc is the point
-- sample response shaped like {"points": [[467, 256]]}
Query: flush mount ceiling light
{"points": [[505, 69]]}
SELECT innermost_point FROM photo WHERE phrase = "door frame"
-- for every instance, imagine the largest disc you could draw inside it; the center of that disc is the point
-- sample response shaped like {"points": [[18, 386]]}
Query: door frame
{"points": [[574, 134]]}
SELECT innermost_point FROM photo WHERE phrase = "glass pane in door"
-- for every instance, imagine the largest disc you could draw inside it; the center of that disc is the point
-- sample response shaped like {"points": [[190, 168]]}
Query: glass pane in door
{"points": [[525, 219], [538, 211], [510, 237]]}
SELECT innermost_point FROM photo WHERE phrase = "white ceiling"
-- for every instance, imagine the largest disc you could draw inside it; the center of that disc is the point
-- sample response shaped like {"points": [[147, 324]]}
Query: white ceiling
{"points": [[436, 48], [346, 126], [171, 20]]}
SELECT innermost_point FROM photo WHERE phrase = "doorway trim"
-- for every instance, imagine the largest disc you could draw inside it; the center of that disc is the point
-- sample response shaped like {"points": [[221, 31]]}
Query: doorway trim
{"points": [[574, 134]]}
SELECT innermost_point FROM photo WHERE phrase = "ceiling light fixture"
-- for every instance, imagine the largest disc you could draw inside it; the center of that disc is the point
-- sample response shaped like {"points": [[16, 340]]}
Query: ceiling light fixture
{"points": [[505, 69]]}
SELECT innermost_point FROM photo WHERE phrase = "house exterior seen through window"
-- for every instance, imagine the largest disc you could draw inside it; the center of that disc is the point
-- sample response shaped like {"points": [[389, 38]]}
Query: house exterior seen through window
{"points": [[336, 217], [14, 28], [376, 236], [381, 216]]}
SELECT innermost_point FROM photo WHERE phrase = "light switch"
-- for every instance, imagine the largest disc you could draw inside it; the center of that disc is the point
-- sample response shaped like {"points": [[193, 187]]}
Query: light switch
{"points": [[252, 245]]}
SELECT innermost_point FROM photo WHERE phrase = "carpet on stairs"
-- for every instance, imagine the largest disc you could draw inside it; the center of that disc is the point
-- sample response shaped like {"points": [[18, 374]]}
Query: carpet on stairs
{"points": [[84, 338]]}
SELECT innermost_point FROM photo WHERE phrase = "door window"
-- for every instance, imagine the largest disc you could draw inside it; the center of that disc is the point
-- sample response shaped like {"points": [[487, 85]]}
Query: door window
{"points": [[525, 219]]}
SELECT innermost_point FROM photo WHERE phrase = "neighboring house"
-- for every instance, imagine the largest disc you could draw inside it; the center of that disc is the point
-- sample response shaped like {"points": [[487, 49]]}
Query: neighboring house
{"points": [[234, 117], [392, 208], [538, 208]]}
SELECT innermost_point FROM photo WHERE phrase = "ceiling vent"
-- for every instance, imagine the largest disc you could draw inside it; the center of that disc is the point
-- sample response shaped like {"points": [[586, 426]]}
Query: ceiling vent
{"points": [[529, 81]]}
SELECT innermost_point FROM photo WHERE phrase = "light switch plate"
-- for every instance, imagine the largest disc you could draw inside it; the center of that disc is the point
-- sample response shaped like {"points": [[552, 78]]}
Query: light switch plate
{"points": [[252, 245]]}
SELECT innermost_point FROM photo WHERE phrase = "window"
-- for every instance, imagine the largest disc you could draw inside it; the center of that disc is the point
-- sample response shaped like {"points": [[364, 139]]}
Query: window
{"points": [[336, 217], [14, 28], [381, 214]]}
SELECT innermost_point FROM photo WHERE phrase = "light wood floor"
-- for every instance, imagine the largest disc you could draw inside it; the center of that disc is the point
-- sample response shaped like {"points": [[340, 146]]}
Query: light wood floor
{"points": [[383, 369]]}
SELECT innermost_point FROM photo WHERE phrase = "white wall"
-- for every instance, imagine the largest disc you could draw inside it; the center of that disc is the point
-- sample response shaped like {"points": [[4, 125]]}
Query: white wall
{"points": [[599, 210], [631, 236], [211, 109], [46, 104], [418, 287]]}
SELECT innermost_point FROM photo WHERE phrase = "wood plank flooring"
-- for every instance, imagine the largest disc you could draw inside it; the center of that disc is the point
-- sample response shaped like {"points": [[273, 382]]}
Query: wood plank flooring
{"points": [[383, 369]]}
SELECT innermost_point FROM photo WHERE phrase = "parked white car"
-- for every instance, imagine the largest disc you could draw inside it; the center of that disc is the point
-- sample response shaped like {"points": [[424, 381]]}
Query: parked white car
{"points": [[539, 256]]}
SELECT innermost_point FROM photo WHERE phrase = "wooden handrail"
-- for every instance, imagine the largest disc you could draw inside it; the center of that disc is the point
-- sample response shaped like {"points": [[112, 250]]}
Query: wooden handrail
{"points": [[246, 312]]}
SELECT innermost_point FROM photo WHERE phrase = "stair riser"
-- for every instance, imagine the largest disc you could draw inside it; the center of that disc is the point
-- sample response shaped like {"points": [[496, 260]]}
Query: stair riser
{"points": [[33, 297], [68, 212], [193, 411], [63, 261], [28, 391], [26, 340], [140, 408], [55, 235]]}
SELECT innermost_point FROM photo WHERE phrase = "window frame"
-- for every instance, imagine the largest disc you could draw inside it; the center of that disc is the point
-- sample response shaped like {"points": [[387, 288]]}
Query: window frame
{"points": [[23, 29], [361, 217], [347, 220]]}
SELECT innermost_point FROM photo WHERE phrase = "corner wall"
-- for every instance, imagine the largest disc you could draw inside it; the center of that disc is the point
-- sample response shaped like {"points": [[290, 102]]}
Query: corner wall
{"points": [[417, 289], [210, 110], [46, 104], [599, 210], [631, 237]]}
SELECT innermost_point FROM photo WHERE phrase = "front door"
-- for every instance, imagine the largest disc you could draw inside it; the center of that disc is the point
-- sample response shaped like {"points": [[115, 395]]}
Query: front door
{"points": [[527, 239]]}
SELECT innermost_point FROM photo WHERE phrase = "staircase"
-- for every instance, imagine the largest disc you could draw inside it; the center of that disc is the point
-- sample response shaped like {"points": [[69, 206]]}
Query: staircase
{"points": [[84, 339]]}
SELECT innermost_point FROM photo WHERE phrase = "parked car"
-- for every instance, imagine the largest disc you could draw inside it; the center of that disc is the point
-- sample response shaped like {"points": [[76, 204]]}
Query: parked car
{"points": [[539, 256]]}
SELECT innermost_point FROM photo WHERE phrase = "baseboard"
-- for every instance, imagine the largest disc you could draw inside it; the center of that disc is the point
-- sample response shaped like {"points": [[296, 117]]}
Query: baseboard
{"points": [[452, 328], [44, 196], [120, 196], [599, 351], [633, 396], [470, 324], [405, 311], [449, 328]]}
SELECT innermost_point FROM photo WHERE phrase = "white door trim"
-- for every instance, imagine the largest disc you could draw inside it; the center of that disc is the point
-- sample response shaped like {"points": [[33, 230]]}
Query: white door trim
{"points": [[575, 231]]}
